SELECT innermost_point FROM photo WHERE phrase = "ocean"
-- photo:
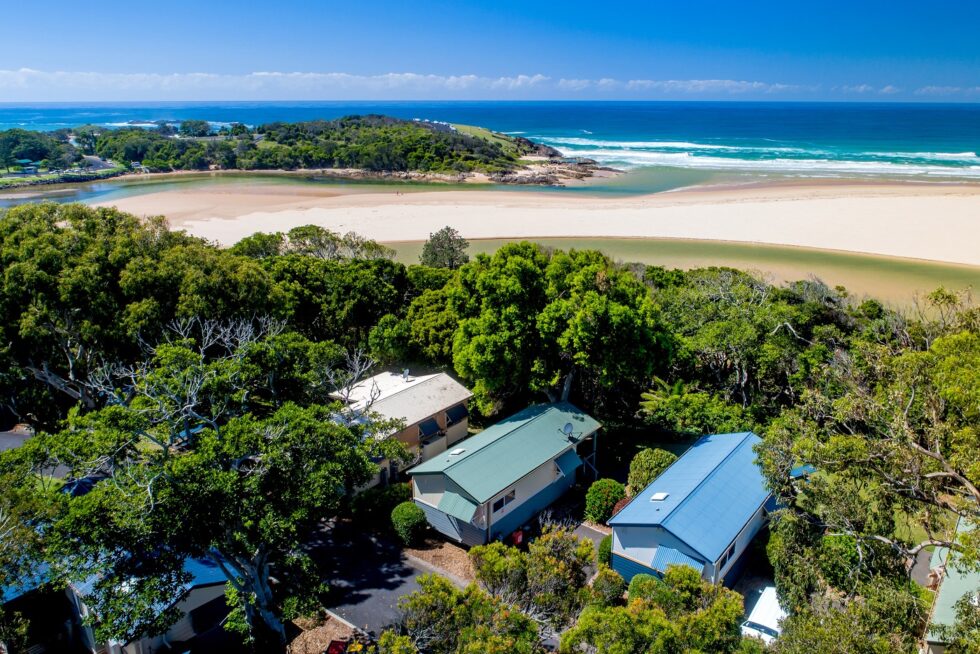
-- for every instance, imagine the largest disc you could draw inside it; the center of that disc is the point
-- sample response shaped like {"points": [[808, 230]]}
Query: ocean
{"points": [[665, 144]]}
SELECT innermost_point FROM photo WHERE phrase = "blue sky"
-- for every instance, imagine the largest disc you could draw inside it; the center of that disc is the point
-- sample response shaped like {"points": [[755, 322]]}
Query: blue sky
{"points": [[506, 49]]}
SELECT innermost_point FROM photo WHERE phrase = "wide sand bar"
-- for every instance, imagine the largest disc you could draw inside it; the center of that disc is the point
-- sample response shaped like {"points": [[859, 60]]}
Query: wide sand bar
{"points": [[929, 221]]}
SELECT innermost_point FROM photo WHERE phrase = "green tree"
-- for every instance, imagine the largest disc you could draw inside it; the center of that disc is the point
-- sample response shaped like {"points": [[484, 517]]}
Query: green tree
{"points": [[195, 128], [389, 340], [445, 249], [963, 636], [441, 619], [531, 320], [682, 613], [647, 465], [608, 587], [689, 414], [409, 522], [547, 583], [246, 491], [601, 499], [881, 619], [433, 325]]}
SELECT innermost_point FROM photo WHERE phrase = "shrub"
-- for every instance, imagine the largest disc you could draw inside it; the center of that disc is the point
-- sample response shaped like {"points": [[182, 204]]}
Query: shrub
{"points": [[608, 587], [605, 551], [647, 465], [601, 498], [372, 507], [644, 587], [409, 522]]}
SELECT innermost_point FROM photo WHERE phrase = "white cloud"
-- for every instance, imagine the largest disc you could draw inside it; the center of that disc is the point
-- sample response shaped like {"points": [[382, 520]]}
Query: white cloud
{"points": [[947, 90], [27, 84], [859, 88]]}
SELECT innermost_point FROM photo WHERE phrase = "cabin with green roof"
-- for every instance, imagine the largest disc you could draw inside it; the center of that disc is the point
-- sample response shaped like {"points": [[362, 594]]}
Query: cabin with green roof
{"points": [[956, 583], [493, 483]]}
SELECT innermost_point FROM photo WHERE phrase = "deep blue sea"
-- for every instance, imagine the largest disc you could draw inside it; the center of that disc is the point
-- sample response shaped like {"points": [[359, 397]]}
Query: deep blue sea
{"points": [[688, 142]]}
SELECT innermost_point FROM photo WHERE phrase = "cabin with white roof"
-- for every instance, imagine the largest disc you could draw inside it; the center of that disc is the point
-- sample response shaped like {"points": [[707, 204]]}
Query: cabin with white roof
{"points": [[433, 409]]}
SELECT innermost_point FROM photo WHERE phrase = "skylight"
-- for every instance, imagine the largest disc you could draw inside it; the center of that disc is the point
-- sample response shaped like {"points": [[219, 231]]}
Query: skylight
{"points": [[458, 451], [659, 497]]}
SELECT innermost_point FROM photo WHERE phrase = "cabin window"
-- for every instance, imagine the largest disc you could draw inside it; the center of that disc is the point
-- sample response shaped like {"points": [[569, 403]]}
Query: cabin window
{"points": [[726, 557], [504, 501]]}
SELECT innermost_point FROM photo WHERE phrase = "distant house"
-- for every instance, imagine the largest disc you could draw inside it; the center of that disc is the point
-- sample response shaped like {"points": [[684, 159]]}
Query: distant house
{"points": [[28, 167], [489, 485], [432, 408], [54, 622], [203, 611], [954, 585], [703, 511]]}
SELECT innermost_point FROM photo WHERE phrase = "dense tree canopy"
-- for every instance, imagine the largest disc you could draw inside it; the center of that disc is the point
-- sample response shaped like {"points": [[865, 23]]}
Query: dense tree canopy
{"points": [[109, 320], [375, 143]]}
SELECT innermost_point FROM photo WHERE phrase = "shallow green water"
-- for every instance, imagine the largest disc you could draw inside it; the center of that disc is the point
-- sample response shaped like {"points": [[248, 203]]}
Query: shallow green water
{"points": [[893, 280]]}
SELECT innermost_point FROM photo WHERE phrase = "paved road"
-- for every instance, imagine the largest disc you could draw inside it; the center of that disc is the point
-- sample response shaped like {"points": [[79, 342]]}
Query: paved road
{"points": [[366, 576]]}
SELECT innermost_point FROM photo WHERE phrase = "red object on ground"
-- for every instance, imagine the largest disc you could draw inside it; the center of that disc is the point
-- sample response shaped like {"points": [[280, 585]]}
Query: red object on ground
{"points": [[517, 537], [336, 647]]}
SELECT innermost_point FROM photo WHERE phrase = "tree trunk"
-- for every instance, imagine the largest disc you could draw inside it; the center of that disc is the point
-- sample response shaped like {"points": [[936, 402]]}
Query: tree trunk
{"points": [[566, 389], [250, 578]]}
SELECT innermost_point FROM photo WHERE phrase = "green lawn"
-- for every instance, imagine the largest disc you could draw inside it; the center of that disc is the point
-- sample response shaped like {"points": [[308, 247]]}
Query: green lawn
{"points": [[506, 143]]}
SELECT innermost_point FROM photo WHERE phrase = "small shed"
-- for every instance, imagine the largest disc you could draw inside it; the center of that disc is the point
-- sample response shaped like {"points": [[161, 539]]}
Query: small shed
{"points": [[703, 511], [491, 484]]}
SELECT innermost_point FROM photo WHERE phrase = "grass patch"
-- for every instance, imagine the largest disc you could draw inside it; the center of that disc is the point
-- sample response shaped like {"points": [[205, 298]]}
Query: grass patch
{"points": [[502, 140]]}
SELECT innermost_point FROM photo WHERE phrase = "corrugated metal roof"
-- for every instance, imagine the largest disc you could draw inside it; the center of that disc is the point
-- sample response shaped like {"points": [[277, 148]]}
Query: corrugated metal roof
{"points": [[713, 490], [669, 556], [500, 455], [569, 462], [413, 399], [456, 505]]}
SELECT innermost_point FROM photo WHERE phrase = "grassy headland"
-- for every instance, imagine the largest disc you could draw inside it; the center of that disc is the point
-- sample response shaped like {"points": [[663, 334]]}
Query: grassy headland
{"points": [[351, 147]]}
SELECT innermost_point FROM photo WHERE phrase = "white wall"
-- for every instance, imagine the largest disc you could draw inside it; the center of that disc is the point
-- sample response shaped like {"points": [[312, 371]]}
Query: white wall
{"points": [[428, 488], [180, 630], [640, 543], [525, 488], [742, 542], [457, 432]]}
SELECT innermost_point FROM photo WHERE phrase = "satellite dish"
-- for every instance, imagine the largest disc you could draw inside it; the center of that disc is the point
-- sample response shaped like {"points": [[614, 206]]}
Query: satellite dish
{"points": [[568, 429]]}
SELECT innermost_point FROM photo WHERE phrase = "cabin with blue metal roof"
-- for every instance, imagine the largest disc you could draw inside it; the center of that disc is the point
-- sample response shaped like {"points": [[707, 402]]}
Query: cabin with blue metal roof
{"points": [[702, 511], [490, 485]]}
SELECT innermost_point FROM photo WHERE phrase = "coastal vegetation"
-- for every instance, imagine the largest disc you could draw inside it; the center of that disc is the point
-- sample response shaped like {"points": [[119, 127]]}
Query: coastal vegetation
{"points": [[191, 384], [374, 144]]}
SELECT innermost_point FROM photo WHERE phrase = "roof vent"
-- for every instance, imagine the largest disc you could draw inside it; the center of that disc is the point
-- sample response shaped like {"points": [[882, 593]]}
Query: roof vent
{"points": [[458, 451], [659, 497]]}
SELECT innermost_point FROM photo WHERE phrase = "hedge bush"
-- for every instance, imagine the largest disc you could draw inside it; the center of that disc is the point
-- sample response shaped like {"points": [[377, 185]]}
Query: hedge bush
{"points": [[608, 587], [409, 522], [605, 551], [647, 465], [372, 508], [601, 498], [643, 587]]}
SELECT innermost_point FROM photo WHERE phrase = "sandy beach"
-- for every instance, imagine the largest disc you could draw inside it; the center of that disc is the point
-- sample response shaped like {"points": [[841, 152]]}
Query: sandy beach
{"points": [[929, 221]]}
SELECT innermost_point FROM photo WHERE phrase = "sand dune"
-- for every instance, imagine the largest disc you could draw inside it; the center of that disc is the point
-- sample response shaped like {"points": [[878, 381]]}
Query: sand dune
{"points": [[925, 221]]}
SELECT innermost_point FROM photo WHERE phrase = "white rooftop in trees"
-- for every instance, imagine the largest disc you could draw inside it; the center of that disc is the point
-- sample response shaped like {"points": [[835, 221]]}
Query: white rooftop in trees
{"points": [[412, 398]]}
